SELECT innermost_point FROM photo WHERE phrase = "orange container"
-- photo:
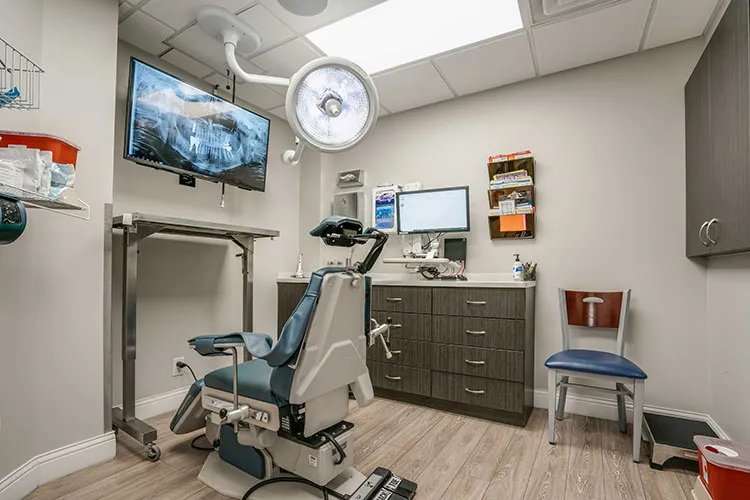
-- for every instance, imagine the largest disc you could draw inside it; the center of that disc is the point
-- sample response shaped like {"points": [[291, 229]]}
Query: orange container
{"points": [[724, 468], [62, 150]]}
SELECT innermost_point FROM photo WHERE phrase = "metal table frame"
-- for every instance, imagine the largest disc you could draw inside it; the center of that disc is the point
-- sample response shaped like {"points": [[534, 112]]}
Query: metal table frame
{"points": [[136, 227]]}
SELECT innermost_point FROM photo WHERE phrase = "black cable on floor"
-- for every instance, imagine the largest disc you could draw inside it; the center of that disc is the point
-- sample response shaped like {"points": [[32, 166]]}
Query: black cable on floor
{"points": [[285, 479], [201, 448]]}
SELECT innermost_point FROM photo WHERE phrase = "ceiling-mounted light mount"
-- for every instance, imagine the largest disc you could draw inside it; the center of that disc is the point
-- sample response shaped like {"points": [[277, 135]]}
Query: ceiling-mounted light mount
{"points": [[331, 103], [305, 8]]}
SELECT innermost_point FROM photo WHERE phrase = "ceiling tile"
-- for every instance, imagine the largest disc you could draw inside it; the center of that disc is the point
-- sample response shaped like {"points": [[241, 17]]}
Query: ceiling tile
{"points": [[145, 33], [260, 95], [592, 37], [279, 112], [286, 59], [490, 65], [411, 87], [676, 20], [198, 45], [271, 30], [180, 13], [187, 63], [337, 9], [125, 8]]}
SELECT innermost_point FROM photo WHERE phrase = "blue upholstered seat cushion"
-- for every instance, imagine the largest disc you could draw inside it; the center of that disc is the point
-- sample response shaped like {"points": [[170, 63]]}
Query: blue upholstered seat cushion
{"points": [[254, 380], [597, 362]]}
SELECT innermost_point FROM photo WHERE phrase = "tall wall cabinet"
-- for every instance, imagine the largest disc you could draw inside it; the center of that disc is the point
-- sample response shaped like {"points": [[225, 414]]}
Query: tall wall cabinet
{"points": [[717, 133]]}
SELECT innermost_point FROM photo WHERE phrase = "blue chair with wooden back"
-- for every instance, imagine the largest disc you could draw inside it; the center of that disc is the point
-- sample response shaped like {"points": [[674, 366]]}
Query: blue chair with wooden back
{"points": [[596, 310]]}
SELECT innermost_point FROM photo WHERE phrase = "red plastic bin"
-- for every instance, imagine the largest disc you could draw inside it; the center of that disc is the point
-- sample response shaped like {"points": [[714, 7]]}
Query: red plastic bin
{"points": [[62, 150], [724, 468]]}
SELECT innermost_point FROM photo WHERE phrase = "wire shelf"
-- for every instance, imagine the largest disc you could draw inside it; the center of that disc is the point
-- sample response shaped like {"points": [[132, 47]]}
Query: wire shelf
{"points": [[20, 79], [36, 200]]}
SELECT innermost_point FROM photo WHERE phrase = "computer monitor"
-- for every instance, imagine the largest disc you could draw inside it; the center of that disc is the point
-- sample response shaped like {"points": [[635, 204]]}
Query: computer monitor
{"points": [[433, 211]]}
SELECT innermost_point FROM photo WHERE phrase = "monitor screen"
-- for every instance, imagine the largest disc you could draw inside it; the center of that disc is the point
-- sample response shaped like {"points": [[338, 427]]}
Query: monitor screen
{"points": [[433, 211], [174, 126]]}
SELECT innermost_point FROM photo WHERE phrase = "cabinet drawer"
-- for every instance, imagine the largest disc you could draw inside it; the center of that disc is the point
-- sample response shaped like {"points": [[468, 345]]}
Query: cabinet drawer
{"points": [[478, 362], [480, 302], [400, 378], [407, 326], [405, 352], [402, 299], [479, 332], [497, 394]]}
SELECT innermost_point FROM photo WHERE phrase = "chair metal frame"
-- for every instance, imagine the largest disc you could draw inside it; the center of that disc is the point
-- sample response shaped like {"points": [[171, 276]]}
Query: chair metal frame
{"points": [[556, 408]]}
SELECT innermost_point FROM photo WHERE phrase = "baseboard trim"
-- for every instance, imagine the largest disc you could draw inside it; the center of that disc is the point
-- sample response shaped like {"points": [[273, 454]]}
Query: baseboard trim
{"points": [[606, 408], [55, 464], [153, 406]]}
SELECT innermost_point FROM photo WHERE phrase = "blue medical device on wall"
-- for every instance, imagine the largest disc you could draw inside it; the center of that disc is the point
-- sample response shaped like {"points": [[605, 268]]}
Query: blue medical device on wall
{"points": [[12, 219]]}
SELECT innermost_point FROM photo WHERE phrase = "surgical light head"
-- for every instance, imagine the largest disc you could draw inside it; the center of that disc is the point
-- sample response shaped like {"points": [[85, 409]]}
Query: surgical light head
{"points": [[331, 103]]}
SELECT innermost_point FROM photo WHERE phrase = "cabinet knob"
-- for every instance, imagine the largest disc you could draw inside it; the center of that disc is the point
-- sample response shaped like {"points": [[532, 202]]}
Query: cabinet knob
{"points": [[708, 229]]}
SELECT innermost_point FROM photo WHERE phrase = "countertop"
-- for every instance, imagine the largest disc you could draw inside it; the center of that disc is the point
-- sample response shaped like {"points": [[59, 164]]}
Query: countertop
{"points": [[477, 280]]}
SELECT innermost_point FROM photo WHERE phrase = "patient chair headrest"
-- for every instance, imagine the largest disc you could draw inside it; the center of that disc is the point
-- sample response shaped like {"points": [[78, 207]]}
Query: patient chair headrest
{"points": [[339, 231]]}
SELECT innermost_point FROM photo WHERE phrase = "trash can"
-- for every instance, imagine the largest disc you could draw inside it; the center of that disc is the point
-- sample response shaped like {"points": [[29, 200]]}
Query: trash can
{"points": [[724, 468]]}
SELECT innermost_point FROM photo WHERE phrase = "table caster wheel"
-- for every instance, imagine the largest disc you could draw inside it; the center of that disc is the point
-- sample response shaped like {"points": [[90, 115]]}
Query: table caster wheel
{"points": [[153, 452]]}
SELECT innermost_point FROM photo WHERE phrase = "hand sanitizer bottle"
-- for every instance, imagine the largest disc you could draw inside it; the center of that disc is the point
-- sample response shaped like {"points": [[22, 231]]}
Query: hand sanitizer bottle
{"points": [[517, 269]]}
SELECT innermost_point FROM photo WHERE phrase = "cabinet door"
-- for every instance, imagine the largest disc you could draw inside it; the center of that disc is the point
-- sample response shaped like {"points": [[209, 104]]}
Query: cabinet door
{"points": [[289, 296], [697, 158], [730, 130]]}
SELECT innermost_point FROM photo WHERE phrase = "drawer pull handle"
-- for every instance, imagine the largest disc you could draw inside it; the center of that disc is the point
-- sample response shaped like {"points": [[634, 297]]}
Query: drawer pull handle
{"points": [[395, 352], [393, 378], [471, 391], [393, 299], [395, 326], [475, 363], [476, 302], [476, 332]]}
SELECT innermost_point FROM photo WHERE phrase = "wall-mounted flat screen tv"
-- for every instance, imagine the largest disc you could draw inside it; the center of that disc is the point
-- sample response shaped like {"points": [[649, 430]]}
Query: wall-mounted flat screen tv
{"points": [[174, 126]]}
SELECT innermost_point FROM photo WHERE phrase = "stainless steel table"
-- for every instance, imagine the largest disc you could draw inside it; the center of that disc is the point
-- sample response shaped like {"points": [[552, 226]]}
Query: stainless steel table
{"points": [[137, 227]]}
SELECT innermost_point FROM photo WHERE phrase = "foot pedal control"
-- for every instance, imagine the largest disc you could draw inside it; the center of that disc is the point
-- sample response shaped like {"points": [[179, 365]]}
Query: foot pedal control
{"points": [[383, 484]]}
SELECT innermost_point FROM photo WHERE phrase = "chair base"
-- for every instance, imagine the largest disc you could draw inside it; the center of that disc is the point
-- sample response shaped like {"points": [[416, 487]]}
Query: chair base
{"points": [[231, 482]]}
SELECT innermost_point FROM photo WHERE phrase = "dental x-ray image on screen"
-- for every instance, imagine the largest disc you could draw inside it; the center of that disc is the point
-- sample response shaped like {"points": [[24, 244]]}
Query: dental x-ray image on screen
{"points": [[177, 127]]}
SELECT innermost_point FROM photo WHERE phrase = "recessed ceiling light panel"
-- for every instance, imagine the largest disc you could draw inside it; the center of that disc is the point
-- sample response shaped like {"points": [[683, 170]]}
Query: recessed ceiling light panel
{"points": [[397, 32]]}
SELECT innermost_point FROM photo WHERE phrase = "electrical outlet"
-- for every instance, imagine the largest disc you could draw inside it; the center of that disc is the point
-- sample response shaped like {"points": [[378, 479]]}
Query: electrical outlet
{"points": [[177, 372]]}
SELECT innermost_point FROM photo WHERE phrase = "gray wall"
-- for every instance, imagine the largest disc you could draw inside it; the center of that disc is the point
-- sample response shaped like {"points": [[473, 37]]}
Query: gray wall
{"points": [[609, 143], [190, 287], [51, 377], [728, 335]]}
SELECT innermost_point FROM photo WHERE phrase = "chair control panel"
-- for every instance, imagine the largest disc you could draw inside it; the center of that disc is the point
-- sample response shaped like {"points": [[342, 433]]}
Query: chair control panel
{"points": [[383, 484]]}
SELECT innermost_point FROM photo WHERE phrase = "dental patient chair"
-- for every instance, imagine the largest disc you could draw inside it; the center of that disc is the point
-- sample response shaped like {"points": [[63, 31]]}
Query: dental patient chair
{"points": [[284, 411]]}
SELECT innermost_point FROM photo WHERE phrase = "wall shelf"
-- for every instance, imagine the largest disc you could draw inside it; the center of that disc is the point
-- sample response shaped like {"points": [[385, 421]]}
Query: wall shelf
{"points": [[495, 194], [20, 79], [35, 200]]}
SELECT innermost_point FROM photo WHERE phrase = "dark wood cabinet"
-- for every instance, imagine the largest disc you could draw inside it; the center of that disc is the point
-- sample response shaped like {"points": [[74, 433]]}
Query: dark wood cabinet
{"points": [[717, 135], [458, 348]]}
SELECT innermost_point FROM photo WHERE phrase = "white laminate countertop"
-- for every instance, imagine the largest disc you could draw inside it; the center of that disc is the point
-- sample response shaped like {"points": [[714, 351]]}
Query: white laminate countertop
{"points": [[478, 280]]}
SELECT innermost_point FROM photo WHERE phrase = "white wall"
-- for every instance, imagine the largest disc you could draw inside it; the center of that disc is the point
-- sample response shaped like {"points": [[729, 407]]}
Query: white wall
{"points": [[51, 382], [728, 335], [189, 287], [609, 143]]}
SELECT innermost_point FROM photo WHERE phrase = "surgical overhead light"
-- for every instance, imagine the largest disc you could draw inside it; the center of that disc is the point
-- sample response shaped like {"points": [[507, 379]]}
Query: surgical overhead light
{"points": [[331, 103]]}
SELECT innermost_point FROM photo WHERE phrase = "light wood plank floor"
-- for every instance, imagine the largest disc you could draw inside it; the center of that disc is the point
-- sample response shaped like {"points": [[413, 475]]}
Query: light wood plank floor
{"points": [[449, 455]]}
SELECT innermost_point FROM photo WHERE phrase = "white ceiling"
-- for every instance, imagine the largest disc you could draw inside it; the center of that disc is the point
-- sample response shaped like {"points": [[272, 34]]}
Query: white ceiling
{"points": [[167, 28]]}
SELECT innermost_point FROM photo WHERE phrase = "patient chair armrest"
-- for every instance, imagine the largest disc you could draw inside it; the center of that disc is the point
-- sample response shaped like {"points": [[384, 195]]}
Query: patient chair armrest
{"points": [[257, 344]]}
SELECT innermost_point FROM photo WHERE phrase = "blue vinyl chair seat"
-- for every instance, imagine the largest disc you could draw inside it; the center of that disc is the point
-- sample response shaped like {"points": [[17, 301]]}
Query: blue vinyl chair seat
{"points": [[254, 380], [596, 362]]}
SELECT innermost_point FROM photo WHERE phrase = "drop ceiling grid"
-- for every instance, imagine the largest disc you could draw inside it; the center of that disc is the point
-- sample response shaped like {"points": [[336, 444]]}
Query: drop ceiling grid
{"points": [[288, 37]]}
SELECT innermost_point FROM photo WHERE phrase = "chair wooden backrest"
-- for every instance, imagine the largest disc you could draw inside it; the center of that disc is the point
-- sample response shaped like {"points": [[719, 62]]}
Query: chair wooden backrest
{"points": [[594, 310]]}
